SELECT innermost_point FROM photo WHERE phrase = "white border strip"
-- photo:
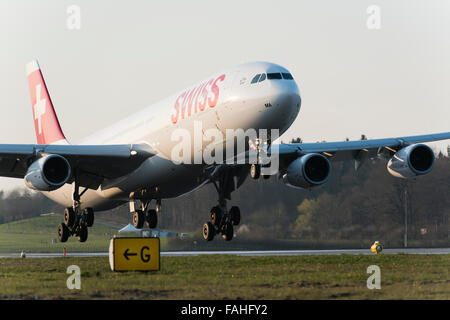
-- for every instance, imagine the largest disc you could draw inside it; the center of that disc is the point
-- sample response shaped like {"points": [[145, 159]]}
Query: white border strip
{"points": [[32, 67]]}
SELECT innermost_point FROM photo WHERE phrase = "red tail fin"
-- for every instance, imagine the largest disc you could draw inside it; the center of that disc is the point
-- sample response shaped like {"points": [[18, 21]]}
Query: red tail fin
{"points": [[46, 122]]}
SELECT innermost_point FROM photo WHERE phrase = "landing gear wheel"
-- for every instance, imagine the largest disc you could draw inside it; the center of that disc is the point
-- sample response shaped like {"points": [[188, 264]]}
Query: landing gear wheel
{"points": [[227, 232], [216, 216], [152, 219], [208, 231], [63, 232], [83, 234], [69, 217], [255, 171], [235, 214], [89, 212], [138, 219]]}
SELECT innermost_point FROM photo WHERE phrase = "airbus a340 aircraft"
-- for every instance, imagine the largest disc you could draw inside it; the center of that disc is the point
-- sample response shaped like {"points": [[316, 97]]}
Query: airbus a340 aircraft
{"points": [[131, 161]]}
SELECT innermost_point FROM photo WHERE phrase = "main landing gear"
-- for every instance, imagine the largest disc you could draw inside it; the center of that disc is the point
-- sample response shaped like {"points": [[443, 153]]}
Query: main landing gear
{"points": [[145, 215], [221, 222], [76, 221], [221, 219]]}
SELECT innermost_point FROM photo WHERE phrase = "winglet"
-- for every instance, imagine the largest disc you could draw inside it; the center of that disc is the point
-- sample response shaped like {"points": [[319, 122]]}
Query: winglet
{"points": [[48, 130]]}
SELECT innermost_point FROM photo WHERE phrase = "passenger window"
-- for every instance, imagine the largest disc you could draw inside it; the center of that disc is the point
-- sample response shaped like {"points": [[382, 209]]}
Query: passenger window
{"points": [[256, 78], [263, 77], [274, 76], [287, 76]]}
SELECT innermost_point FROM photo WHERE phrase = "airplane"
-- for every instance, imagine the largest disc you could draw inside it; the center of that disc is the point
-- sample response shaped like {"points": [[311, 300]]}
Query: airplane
{"points": [[132, 162]]}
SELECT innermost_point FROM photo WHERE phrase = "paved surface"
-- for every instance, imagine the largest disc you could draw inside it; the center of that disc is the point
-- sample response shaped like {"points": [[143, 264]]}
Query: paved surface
{"points": [[244, 253]]}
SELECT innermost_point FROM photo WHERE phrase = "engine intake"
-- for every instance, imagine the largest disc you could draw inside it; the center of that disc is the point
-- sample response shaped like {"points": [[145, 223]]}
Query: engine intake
{"points": [[307, 171], [48, 173], [411, 161]]}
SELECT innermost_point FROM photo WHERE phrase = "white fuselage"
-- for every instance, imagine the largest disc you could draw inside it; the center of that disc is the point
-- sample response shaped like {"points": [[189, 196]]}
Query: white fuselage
{"points": [[226, 100]]}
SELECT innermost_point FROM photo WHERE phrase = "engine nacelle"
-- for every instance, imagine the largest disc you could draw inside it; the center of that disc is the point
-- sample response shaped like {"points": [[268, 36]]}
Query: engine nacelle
{"points": [[48, 173], [411, 161], [307, 171]]}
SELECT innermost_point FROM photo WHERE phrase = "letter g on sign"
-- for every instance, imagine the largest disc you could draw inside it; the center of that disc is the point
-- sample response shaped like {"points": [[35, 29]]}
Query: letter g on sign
{"points": [[145, 257]]}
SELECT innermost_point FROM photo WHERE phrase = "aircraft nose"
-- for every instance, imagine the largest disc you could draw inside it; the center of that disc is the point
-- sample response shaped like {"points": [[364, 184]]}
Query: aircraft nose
{"points": [[284, 103]]}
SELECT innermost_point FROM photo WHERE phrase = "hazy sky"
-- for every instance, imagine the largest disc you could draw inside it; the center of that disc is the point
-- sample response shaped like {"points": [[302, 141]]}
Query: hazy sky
{"points": [[126, 55]]}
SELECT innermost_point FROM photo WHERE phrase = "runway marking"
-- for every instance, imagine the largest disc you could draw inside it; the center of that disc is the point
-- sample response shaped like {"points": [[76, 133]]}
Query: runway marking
{"points": [[245, 253]]}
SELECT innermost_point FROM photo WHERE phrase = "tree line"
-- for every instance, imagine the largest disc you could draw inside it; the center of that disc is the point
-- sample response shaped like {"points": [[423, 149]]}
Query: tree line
{"points": [[367, 204], [22, 203]]}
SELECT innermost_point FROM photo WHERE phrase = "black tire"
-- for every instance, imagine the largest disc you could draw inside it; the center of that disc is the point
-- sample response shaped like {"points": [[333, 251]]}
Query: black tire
{"points": [[89, 212], [208, 231], [227, 232], [83, 234], [152, 219], [235, 214], [69, 217], [63, 232], [255, 171], [266, 176], [216, 216], [138, 219]]}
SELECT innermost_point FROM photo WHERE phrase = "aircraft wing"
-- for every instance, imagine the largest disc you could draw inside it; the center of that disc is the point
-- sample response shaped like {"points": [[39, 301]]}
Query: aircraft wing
{"points": [[356, 150], [93, 163], [359, 151]]}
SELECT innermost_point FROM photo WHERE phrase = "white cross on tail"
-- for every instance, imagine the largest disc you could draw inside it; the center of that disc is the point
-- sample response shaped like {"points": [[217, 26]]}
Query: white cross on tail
{"points": [[39, 108]]}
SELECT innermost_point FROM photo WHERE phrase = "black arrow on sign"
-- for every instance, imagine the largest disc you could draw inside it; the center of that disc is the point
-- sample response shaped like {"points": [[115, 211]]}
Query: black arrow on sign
{"points": [[126, 254]]}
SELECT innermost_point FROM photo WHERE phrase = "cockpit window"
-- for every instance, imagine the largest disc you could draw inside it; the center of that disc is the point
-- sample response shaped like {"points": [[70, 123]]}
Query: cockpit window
{"points": [[287, 76], [263, 77], [256, 78], [274, 76]]}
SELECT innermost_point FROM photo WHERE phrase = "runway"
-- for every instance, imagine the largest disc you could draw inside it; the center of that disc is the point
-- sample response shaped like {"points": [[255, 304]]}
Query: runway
{"points": [[244, 253]]}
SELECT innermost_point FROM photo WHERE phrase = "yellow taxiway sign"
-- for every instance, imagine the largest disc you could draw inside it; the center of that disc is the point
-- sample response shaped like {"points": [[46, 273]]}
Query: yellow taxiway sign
{"points": [[134, 254]]}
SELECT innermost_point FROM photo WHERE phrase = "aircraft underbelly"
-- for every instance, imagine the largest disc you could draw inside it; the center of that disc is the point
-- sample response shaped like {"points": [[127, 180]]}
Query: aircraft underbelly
{"points": [[157, 177]]}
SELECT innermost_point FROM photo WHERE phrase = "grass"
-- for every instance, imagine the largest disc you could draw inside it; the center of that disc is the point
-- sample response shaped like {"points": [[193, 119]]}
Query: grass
{"points": [[207, 277], [233, 277], [37, 235]]}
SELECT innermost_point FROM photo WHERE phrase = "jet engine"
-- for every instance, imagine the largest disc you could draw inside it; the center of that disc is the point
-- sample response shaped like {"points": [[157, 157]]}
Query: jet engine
{"points": [[48, 173], [411, 161], [307, 171]]}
